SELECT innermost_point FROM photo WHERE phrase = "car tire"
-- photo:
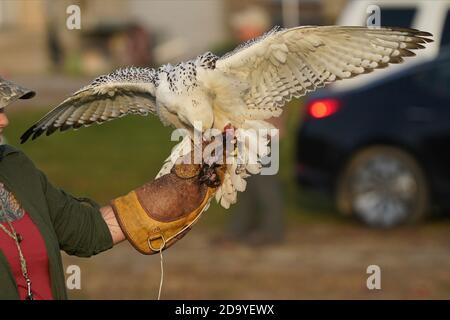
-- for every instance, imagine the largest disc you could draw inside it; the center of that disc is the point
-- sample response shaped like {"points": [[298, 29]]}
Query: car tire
{"points": [[383, 186]]}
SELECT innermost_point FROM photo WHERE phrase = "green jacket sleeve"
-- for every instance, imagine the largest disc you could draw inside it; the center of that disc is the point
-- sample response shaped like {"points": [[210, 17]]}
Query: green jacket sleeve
{"points": [[78, 223]]}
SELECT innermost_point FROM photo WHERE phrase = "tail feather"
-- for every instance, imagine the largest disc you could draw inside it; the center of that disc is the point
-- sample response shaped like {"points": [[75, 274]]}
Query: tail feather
{"points": [[181, 149], [236, 173]]}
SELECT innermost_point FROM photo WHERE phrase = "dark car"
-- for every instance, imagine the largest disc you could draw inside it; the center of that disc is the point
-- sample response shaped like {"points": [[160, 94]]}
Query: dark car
{"points": [[383, 150]]}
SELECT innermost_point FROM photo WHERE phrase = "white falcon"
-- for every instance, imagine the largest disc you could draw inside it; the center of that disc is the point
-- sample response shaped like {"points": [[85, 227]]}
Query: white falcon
{"points": [[242, 89]]}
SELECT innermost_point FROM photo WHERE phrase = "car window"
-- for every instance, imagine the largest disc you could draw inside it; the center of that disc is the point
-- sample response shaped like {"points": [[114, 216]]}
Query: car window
{"points": [[436, 79], [445, 40], [397, 17]]}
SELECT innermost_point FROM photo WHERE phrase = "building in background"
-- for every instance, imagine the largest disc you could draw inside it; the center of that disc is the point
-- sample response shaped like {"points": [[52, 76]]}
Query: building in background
{"points": [[23, 47]]}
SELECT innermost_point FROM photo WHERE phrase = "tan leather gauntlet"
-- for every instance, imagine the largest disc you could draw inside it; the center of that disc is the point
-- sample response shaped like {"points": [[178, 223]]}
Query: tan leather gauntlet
{"points": [[161, 212]]}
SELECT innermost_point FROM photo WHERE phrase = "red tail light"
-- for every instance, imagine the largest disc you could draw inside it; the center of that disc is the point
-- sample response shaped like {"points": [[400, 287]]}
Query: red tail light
{"points": [[323, 108]]}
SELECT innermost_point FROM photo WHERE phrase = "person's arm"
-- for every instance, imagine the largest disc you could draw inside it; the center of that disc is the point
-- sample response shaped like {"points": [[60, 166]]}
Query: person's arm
{"points": [[77, 222], [151, 217], [113, 226]]}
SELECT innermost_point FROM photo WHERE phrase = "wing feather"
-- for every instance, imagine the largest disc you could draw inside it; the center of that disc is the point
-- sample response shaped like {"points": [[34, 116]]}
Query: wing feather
{"points": [[125, 91], [287, 63]]}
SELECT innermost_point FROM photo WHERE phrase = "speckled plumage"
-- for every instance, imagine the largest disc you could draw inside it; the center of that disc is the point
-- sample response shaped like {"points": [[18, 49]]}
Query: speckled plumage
{"points": [[242, 89]]}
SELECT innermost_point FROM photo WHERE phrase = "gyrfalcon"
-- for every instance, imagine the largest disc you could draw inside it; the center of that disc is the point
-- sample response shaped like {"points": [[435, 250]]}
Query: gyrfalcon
{"points": [[241, 89]]}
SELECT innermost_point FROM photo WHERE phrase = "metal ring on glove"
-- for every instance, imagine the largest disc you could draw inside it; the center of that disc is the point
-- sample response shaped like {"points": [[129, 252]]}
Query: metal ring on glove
{"points": [[161, 247]]}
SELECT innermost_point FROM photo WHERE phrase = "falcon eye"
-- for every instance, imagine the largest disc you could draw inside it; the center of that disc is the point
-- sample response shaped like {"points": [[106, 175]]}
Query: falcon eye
{"points": [[323, 108]]}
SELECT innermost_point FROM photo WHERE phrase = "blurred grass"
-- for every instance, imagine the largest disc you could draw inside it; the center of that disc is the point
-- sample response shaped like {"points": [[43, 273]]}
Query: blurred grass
{"points": [[101, 162]]}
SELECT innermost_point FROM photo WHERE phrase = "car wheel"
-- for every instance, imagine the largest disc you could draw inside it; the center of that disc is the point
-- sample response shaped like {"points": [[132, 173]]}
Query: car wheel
{"points": [[384, 187]]}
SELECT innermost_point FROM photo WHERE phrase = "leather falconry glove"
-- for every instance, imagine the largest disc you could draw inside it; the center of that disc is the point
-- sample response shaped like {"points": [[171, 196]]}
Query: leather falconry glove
{"points": [[156, 215]]}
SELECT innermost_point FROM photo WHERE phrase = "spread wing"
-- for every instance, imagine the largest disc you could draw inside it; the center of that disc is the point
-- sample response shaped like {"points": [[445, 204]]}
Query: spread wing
{"points": [[269, 71], [291, 62], [125, 91], [10, 92]]}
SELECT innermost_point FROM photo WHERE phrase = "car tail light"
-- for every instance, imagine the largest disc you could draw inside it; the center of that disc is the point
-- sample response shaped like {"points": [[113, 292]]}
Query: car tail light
{"points": [[319, 109]]}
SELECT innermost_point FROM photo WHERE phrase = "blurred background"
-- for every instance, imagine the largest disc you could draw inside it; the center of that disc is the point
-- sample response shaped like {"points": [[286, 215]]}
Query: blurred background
{"points": [[364, 176]]}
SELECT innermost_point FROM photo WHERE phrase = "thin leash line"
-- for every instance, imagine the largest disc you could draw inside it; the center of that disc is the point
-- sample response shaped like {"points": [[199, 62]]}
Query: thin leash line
{"points": [[190, 224], [163, 245], [162, 274], [161, 281]]}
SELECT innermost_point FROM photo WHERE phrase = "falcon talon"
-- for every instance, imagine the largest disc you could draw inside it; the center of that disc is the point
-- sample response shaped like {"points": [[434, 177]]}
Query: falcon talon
{"points": [[209, 176]]}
